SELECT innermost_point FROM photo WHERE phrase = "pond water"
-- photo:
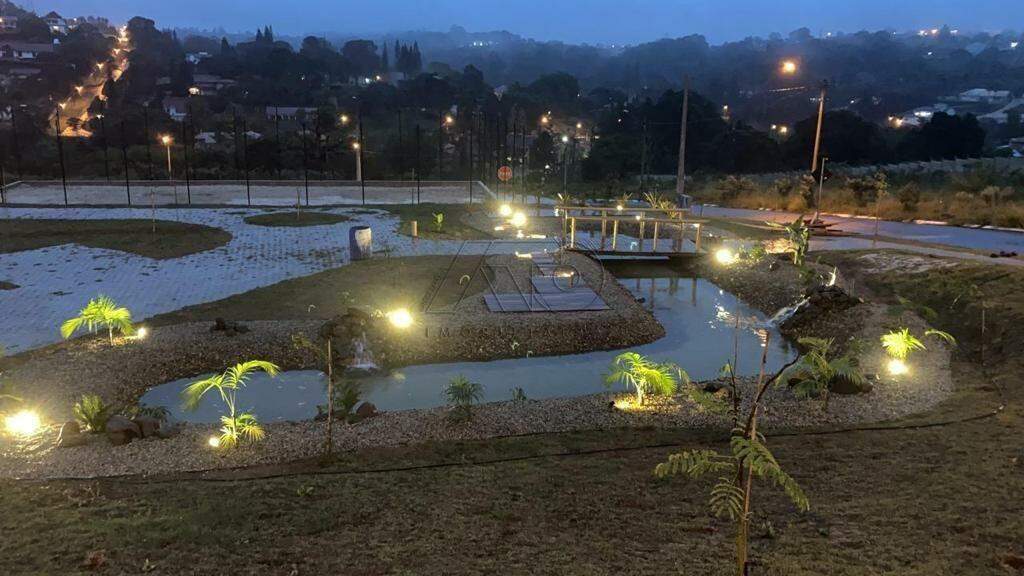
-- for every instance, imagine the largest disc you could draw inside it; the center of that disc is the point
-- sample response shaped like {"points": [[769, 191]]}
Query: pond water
{"points": [[700, 325]]}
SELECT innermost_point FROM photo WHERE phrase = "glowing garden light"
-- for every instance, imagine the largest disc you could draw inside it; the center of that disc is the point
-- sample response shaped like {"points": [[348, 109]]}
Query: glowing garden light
{"points": [[518, 220], [505, 210], [141, 333], [213, 442], [898, 367], [23, 423], [725, 256], [400, 318]]}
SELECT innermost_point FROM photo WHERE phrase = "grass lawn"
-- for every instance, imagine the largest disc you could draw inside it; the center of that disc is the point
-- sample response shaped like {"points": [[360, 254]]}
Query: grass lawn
{"points": [[300, 219], [922, 501], [171, 240], [379, 283], [454, 227]]}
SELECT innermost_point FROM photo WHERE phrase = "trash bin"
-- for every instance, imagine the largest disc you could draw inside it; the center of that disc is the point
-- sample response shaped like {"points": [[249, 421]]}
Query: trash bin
{"points": [[360, 242]]}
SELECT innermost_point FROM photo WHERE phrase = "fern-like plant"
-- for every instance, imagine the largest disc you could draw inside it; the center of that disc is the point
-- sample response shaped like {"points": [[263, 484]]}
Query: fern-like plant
{"points": [[235, 426], [438, 220], [461, 394], [92, 413], [103, 312], [900, 343], [645, 376], [818, 369], [748, 459]]}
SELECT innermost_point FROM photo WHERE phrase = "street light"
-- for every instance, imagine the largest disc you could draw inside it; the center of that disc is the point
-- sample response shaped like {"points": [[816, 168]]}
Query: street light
{"points": [[344, 119], [789, 67], [359, 160], [449, 120], [166, 140]]}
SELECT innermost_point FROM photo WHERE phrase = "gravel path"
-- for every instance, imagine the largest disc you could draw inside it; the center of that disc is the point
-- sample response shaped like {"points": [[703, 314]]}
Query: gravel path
{"points": [[926, 386]]}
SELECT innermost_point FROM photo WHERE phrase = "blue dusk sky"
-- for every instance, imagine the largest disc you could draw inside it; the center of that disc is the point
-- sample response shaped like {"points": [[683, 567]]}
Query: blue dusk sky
{"points": [[577, 21]]}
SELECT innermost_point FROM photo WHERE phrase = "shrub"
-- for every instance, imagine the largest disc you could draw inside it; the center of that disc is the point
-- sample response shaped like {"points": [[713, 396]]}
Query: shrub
{"points": [[909, 196], [818, 369], [732, 187], [92, 413], [461, 395]]}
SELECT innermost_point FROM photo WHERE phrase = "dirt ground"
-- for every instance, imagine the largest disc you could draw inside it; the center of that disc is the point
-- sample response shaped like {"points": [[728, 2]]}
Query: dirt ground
{"points": [[933, 494], [171, 240]]}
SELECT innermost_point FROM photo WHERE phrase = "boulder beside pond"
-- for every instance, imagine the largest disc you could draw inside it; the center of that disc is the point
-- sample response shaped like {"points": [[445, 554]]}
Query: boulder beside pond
{"points": [[120, 430], [71, 435], [821, 301]]}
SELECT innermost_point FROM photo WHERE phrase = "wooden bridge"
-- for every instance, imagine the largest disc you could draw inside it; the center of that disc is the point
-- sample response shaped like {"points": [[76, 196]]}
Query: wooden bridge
{"points": [[672, 232]]}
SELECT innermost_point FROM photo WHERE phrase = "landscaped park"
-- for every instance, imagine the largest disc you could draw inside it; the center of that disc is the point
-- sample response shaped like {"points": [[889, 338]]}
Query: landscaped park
{"points": [[496, 384]]}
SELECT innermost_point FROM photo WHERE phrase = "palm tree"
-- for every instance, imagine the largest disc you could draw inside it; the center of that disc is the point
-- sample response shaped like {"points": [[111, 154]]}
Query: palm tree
{"points": [[100, 311], [645, 376], [816, 371], [234, 425]]}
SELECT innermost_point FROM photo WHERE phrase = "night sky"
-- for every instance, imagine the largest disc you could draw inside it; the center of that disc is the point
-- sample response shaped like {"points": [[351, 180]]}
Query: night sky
{"points": [[578, 21]]}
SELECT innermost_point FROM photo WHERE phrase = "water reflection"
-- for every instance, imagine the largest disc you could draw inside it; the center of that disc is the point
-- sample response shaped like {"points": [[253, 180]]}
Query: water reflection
{"points": [[703, 323]]}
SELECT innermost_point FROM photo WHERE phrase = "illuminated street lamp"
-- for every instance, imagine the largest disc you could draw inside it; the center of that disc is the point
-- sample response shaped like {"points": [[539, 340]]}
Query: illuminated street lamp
{"points": [[166, 140], [359, 160], [344, 119], [545, 120], [788, 67], [449, 120]]}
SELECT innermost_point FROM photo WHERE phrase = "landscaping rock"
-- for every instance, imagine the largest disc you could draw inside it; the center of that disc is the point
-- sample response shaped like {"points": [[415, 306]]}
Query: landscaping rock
{"points": [[820, 301], [844, 387], [121, 430], [149, 426], [71, 435], [366, 410], [166, 430], [228, 328]]}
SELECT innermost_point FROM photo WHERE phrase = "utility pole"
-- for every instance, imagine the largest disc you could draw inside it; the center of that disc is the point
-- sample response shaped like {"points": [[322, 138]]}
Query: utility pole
{"points": [[149, 148], [440, 145], [106, 145], [14, 142], [418, 162], [188, 179], [821, 186], [60, 153], [359, 155], [821, 119], [681, 174], [472, 120], [245, 160], [643, 159], [817, 145], [401, 152], [305, 164], [124, 155]]}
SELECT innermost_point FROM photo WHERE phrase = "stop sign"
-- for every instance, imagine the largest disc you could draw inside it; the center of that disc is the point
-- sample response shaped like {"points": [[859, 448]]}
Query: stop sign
{"points": [[505, 173]]}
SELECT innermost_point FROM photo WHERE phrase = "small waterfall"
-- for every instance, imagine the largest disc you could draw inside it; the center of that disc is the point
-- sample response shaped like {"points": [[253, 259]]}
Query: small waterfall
{"points": [[362, 357], [786, 313]]}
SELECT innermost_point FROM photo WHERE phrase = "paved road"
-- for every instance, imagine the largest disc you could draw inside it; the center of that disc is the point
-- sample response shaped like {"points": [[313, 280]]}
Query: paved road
{"points": [[954, 236], [81, 98]]}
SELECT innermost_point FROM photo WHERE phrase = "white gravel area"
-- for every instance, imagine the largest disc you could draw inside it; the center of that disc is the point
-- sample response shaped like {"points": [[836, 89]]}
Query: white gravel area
{"points": [[55, 282]]}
